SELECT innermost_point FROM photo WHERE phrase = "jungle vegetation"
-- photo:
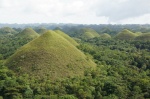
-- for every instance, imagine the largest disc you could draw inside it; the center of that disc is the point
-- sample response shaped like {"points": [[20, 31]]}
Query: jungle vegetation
{"points": [[120, 57]]}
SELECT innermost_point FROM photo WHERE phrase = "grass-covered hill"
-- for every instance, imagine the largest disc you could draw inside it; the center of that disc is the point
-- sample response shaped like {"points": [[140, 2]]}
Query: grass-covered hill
{"points": [[28, 33], [125, 35], [105, 36], [10, 43], [66, 37], [88, 33], [143, 36], [50, 55], [138, 33], [41, 30], [7, 30]]}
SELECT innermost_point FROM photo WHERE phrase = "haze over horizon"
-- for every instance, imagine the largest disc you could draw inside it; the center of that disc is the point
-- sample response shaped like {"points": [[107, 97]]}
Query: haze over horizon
{"points": [[75, 11]]}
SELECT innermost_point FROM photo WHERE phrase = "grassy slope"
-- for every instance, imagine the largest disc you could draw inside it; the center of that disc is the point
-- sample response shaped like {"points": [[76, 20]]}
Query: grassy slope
{"points": [[88, 33], [144, 36], [66, 37], [138, 33], [42, 31], [28, 33], [105, 36], [125, 35], [7, 30], [51, 55]]}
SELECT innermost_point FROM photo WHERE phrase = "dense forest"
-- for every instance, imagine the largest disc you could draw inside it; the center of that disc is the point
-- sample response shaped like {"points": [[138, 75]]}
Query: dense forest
{"points": [[118, 54]]}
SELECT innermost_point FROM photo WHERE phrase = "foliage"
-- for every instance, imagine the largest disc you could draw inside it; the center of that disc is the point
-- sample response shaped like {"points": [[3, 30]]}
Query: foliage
{"points": [[51, 56], [143, 36], [122, 72], [125, 35]]}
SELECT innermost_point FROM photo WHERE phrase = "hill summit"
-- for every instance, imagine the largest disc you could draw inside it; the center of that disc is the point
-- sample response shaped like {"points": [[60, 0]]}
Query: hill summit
{"points": [[88, 33], [143, 36], [7, 30], [105, 36], [66, 37], [50, 55], [28, 33], [125, 35], [41, 30]]}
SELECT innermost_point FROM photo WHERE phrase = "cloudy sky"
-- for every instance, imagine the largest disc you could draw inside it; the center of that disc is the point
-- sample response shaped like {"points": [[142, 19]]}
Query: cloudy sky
{"points": [[75, 11]]}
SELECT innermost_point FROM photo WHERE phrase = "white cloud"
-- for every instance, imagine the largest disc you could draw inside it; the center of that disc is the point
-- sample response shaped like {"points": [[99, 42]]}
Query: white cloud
{"points": [[74, 11], [122, 9], [144, 19]]}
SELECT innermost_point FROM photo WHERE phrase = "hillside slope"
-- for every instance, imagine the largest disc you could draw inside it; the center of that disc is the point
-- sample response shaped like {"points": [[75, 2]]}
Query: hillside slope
{"points": [[28, 33], [7, 31], [105, 36], [50, 55], [66, 37], [88, 33], [41, 30], [143, 36], [125, 35]]}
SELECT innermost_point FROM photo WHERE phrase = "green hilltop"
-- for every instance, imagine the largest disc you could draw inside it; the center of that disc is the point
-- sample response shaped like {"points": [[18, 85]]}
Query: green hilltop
{"points": [[28, 33], [66, 37], [88, 33], [41, 30], [7, 30], [105, 36], [50, 55], [143, 37], [138, 33], [125, 35], [17, 40]]}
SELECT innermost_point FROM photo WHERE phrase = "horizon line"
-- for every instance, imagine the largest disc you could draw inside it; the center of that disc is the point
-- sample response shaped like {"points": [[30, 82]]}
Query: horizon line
{"points": [[78, 23]]}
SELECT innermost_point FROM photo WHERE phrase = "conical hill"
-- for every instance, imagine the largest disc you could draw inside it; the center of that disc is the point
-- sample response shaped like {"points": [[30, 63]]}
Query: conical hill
{"points": [[66, 37], [138, 33], [105, 36], [88, 33], [28, 33], [143, 37], [7, 30], [41, 30], [49, 55], [125, 35]]}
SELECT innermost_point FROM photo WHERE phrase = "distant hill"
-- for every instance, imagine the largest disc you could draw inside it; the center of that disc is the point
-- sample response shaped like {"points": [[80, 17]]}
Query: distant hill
{"points": [[138, 33], [105, 36], [66, 37], [143, 36], [50, 55], [41, 30], [125, 35], [58, 28], [88, 33], [7, 31], [17, 40], [28, 33]]}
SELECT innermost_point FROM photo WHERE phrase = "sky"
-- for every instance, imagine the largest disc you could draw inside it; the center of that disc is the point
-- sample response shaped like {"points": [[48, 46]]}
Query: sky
{"points": [[75, 11]]}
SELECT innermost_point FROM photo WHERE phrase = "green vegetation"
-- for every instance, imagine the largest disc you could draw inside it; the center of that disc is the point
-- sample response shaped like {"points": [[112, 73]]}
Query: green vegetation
{"points": [[144, 36], [88, 33], [138, 33], [125, 35], [9, 43], [25, 36], [67, 37], [28, 33], [51, 67], [105, 36], [7, 31], [41, 30], [49, 55]]}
